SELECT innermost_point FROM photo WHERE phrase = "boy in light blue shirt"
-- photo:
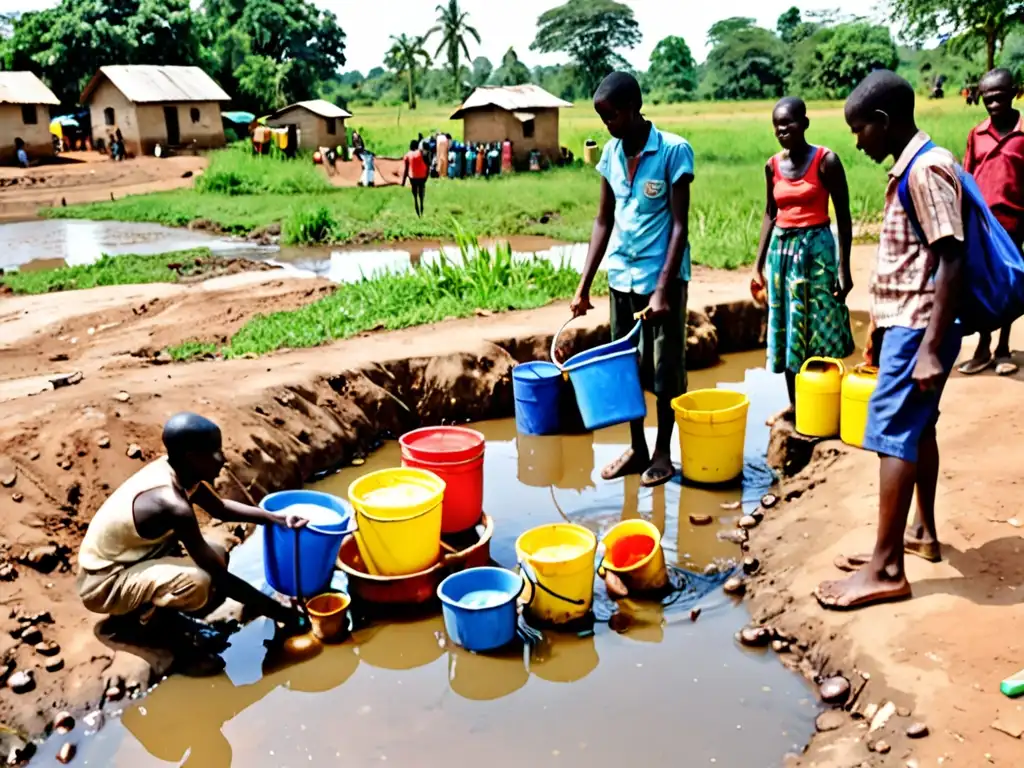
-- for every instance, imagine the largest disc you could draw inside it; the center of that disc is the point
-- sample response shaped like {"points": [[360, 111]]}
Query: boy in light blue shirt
{"points": [[642, 225]]}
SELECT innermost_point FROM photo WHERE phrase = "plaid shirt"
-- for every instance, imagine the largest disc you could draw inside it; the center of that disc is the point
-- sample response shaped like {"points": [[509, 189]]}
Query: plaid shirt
{"points": [[903, 285]]}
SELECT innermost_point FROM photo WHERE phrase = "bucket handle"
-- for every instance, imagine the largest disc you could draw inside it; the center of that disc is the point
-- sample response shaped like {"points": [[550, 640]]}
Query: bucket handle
{"points": [[869, 370], [639, 316], [531, 577], [828, 360]]}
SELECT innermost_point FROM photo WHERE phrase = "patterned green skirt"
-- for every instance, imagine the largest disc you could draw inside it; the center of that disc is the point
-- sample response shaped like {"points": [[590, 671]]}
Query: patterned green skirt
{"points": [[804, 317]]}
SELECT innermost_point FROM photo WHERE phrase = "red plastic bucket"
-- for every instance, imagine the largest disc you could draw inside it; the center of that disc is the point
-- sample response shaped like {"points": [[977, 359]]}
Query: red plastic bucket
{"points": [[456, 455]]}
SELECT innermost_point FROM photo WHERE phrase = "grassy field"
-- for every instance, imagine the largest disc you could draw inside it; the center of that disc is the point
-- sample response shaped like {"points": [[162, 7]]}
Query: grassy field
{"points": [[484, 279], [731, 143], [129, 269]]}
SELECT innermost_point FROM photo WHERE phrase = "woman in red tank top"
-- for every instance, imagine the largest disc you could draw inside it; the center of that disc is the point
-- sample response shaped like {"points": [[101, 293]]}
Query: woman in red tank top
{"points": [[807, 281], [417, 172]]}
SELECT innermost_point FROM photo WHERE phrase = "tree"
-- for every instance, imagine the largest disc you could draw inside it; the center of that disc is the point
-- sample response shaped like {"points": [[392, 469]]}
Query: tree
{"points": [[747, 63], [673, 70], [989, 21], [724, 28], [482, 71], [834, 60], [788, 24], [405, 57], [590, 32], [165, 32], [512, 71], [453, 25]]}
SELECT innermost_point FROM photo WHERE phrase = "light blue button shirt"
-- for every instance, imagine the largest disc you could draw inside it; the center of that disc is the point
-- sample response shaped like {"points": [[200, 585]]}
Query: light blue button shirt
{"points": [[643, 210]]}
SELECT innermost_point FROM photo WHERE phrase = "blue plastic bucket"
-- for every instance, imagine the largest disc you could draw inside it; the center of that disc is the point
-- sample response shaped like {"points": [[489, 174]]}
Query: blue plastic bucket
{"points": [[479, 607], [606, 380], [330, 520], [537, 388]]}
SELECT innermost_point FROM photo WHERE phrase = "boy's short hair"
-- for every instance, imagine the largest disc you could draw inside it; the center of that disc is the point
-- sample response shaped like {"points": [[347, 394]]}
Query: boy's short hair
{"points": [[794, 104], [882, 91], [621, 90], [999, 74]]}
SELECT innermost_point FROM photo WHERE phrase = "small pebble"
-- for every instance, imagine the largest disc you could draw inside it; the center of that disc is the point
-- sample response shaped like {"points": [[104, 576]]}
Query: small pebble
{"points": [[903, 711], [114, 694], [882, 747], [754, 637], [694, 614], [31, 635], [758, 514], [358, 462], [769, 500], [22, 682], [122, 397], [747, 522], [33, 454], [780, 646], [17, 497], [134, 452], [65, 464], [94, 720], [63, 722], [8, 479], [700, 519], [731, 504], [734, 586], [751, 565], [917, 731], [831, 720], [47, 648], [55, 664], [711, 569], [67, 753], [834, 690], [7, 572], [103, 442]]}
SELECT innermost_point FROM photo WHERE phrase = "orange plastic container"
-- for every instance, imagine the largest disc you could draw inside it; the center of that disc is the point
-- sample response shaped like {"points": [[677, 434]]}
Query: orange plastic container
{"points": [[456, 455]]}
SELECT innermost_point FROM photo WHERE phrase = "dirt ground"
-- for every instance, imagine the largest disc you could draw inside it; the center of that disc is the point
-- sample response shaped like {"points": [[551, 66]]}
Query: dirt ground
{"points": [[388, 171], [89, 177], [285, 416]]}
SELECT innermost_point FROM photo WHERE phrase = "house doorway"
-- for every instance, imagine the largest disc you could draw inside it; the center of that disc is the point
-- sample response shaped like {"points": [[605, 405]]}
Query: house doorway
{"points": [[173, 129]]}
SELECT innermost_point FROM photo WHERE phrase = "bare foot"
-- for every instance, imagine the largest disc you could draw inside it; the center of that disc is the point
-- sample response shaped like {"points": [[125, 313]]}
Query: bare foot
{"points": [[866, 587], [660, 471], [629, 463], [927, 549], [786, 414]]}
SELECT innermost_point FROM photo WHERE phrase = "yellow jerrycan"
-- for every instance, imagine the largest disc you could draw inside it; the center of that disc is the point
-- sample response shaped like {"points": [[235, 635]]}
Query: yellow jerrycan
{"points": [[818, 391], [858, 386]]}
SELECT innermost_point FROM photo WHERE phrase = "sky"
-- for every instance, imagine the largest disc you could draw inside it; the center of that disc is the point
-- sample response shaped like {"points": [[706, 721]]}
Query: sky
{"points": [[505, 24]]}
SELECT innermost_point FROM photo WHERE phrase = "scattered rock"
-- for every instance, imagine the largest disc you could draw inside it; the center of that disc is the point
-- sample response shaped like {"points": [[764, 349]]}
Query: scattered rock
{"points": [[94, 720], [163, 357], [1014, 728], [736, 536], [66, 753], [711, 569], [7, 572], [43, 617], [758, 515], [731, 505], [22, 682], [122, 397], [751, 565], [33, 454], [881, 747], [917, 731], [63, 722], [134, 451], [17, 498], [358, 461], [65, 464], [780, 646], [701, 519], [47, 648], [834, 690], [769, 500], [734, 586], [8, 479], [103, 442], [885, 712], [754, 637], [747, 522], [694, 613], [21, 752], [31, 635], [42, 559], [903, 711], [831, 720], [55, 664]]}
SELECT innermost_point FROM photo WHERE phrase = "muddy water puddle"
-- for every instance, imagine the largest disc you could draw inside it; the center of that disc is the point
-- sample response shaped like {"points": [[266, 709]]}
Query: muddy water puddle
{"points": [[666, 690]]}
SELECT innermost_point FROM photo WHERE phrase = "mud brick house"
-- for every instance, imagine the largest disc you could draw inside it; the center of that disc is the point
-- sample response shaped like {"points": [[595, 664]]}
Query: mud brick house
{"points": [[25, 114], [319, 123], [169, 106]]}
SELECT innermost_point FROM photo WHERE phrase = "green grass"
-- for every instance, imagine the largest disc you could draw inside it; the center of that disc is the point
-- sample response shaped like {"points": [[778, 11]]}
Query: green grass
{"points": [[129, 269], [731, 143], [481, 279]]}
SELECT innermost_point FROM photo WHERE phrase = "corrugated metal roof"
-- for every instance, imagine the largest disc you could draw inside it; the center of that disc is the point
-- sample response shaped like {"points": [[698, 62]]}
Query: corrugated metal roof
{"points": [[515, 98], [24, 88], [317, 107], [148, 84]]}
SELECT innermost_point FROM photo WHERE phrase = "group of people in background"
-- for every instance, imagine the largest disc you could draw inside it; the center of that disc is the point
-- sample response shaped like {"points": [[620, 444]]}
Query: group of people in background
{"points": [[447, 158]]}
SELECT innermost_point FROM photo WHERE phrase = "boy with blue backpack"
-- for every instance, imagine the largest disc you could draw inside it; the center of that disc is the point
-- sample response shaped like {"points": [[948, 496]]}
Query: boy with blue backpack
{"points": [[945, 267]]}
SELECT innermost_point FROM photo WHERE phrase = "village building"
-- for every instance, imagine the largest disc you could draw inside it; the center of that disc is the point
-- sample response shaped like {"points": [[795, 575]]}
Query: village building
{"points": [[317, 123], [525, 114], [25, 115], [151, 105]]}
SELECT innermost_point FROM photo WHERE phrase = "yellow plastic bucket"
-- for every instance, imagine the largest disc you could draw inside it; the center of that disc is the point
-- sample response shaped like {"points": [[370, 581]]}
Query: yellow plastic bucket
{"points": [[558, 562], [858, 386], [398, 512], [712, 429], [646, 574], [818, 387]]}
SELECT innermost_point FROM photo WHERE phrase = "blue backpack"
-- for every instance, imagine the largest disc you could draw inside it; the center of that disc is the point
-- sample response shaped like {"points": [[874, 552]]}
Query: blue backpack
{"points": [[993, 273]]}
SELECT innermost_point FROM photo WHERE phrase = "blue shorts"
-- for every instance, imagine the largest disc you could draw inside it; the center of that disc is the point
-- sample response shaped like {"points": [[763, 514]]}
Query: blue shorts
{"points": [[899, 413]]}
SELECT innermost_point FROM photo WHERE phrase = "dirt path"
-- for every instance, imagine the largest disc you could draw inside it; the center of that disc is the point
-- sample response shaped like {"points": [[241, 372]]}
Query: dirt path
{"points": [[90, 178]]}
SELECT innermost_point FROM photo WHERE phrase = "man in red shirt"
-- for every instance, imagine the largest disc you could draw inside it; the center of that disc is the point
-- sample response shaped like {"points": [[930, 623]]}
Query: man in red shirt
{"points": [[995, 157]]}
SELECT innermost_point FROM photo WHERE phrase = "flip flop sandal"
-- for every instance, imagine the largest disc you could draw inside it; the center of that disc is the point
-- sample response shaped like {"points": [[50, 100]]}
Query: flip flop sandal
{"points": [[650, 478], [974, 367], [831, 604], [1006, 368]]}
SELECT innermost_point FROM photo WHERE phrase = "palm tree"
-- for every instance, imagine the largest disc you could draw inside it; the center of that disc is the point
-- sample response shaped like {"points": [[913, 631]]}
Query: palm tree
{"points": [[406, 55], [454, 28]]}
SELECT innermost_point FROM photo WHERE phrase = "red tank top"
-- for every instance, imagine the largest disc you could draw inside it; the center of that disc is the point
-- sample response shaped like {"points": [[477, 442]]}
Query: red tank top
{"points": [[417, 165], [801, 202]]}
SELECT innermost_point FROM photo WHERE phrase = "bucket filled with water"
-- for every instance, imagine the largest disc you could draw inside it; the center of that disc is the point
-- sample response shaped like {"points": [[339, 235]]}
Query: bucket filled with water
{"points": [[633, 553], [479, 607], [398, 512], [606, 380], [330, 520], [558, 561], [712, 430], [456, 455]]}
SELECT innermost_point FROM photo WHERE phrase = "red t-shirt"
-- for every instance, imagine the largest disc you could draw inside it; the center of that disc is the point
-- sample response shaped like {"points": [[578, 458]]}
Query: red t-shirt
{"points": [[997, 164], [417, 165]]}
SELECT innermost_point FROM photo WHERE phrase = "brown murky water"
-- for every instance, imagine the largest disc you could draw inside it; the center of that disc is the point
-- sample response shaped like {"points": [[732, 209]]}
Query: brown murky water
{"points": [[667, 691]]}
